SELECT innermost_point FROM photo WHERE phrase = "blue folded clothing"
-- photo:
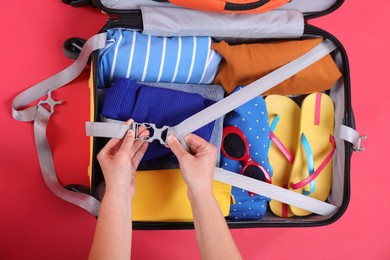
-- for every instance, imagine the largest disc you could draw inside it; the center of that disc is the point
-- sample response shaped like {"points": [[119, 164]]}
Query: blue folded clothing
{"points": [[128, 99], [145, 58], [252, 119]]}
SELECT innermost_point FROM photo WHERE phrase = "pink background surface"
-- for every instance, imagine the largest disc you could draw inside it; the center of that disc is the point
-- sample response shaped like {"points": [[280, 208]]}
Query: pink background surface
{"points": [[35, 224]]}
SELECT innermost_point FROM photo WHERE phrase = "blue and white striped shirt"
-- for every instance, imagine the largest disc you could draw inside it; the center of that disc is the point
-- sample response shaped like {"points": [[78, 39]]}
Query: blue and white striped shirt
{"points": [[133, 55]]}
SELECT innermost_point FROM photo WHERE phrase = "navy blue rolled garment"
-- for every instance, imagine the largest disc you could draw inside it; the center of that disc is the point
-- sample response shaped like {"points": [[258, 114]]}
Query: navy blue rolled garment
{"points": [[146, 104]]}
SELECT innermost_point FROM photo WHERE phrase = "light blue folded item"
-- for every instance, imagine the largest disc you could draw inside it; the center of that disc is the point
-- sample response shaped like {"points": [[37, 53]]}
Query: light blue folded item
{"points": [[145, 58], [252, 119]]}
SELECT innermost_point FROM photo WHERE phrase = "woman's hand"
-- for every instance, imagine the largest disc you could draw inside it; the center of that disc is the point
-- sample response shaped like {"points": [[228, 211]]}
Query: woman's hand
{"points": [[119, 160], [197, 167]]}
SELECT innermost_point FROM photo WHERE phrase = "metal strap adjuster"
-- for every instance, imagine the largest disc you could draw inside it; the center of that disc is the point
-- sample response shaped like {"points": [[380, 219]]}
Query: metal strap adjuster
{"points": [[358, 146], [159, 134], [352, 136]]}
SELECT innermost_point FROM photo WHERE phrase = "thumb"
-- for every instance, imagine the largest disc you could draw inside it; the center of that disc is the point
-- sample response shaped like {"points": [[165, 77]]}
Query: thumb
{"points": [[176, 147], [128, 141]]}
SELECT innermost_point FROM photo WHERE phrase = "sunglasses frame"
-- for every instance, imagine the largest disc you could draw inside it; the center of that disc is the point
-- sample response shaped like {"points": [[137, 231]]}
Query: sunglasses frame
{"points": [[246, 159]]}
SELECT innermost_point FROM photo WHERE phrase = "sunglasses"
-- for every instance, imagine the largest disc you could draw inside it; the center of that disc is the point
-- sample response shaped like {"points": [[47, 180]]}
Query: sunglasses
{"points": [[235, 147]]}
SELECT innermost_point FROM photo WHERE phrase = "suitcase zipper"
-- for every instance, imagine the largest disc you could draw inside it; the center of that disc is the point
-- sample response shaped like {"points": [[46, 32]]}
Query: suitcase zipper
{"points": [[348, 116], [132, 20], [312, 15], [245, 7]]}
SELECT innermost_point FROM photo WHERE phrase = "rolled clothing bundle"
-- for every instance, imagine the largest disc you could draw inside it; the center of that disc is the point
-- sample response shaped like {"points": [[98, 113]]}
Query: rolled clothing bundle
{"points": [[127, 99], [145, 58], [242, 64]]}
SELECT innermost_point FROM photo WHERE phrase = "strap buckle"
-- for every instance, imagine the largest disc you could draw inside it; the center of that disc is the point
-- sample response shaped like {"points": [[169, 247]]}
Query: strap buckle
{"points": [[352, 136], [50, 102], [159, 134], [358, 146]]}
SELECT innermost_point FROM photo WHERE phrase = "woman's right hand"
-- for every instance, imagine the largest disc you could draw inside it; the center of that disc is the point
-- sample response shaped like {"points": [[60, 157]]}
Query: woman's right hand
{"points": [[197, 167]]}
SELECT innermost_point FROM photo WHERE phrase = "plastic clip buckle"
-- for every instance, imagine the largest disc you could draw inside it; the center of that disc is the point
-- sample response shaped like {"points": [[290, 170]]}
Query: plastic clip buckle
{"points": [[50, 102], [358, 146], [159, 134]]}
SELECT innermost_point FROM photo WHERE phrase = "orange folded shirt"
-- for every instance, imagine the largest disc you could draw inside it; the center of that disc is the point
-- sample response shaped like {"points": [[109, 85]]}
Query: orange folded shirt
{"points": [[245, 63]]}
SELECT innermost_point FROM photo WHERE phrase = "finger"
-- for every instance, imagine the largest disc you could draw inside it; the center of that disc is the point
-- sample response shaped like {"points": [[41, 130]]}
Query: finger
{"points": [[139, 154], [127, 142], [137, 144], [176, 147], [119, 145], [111, 146], [197, 144], [128, 122], [143, 131]]}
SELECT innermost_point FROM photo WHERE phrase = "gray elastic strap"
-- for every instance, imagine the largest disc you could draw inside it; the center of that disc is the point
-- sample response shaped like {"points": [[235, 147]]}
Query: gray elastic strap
{"points": [[231, 102], [274, 192], [106, 129], [244, 95], [349, 134], [46, 163], [252, 90], [118, 130], [224, 106], [41, 117], [54, 82]]}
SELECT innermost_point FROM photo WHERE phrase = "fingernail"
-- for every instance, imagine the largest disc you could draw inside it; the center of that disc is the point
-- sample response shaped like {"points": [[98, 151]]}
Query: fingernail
{"points": [[129, 122], [130, 132], [170, 139]]}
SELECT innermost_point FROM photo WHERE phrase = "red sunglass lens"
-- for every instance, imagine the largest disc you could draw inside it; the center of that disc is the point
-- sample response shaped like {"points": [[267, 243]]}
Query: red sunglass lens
{"points": [[233, 145], [255, 173]]}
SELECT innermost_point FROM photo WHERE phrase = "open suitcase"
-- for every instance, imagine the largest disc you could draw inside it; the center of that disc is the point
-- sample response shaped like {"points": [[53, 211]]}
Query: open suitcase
{"points": [[160, 19]]}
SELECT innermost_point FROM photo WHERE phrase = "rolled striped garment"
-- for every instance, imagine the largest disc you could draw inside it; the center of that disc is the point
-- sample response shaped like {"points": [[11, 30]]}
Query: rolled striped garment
{"points": [[145, 58]]}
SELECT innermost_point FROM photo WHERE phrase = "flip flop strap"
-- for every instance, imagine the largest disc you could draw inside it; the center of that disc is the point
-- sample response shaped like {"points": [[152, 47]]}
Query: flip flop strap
{"points": [[286, 153], [285, 206], [310, 163], [317, 113], [274, 123], [282, 148], [312, 177]]}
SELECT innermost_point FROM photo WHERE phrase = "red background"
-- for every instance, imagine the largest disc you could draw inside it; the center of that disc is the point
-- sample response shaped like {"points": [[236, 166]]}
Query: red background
{"points": [[35, 224]]}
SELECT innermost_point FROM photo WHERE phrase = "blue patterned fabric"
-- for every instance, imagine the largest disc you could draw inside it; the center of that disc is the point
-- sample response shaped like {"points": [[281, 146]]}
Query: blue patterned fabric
{"points": [[145, 58], [252, 119], [128, 99]]}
